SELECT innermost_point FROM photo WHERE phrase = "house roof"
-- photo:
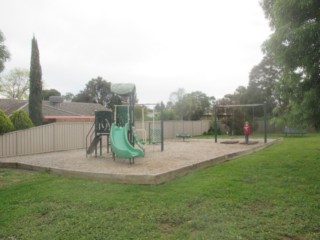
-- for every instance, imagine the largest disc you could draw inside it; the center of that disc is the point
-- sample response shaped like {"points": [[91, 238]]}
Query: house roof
{"points": [[53, 109], [10, 105]]}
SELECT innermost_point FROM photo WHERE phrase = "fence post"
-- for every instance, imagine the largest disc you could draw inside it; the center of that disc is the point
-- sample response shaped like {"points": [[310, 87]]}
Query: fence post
{"points": [[54, 137], [16, 136]]}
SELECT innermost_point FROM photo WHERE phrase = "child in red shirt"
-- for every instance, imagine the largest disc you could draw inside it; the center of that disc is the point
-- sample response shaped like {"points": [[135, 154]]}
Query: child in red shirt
{"points": [[246, 132]]}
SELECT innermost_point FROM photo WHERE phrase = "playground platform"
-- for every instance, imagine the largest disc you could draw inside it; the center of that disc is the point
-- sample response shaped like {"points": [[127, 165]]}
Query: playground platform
{"points": [[178, 158]]}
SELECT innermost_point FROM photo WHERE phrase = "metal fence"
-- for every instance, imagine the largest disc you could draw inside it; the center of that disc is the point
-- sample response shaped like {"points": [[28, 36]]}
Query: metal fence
{"points": [[62, 136], [172, 128], [47, 138]]}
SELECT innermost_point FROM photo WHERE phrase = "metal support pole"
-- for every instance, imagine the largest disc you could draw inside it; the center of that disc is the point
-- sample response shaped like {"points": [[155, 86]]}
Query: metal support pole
{"points": [[265, 121], [162, 137], [108, 142], [215, 124], [149, 132], [100, 145]]}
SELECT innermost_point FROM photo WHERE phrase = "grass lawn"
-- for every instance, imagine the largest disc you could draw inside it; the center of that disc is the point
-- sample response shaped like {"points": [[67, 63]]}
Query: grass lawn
{"points": [[271, 194]]}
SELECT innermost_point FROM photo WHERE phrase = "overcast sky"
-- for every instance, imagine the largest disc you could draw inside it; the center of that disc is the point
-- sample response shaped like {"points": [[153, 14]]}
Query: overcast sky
{"points": [[160, 45]]}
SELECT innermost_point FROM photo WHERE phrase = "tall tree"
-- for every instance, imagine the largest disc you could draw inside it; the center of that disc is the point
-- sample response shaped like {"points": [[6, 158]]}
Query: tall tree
{"points": [[35, 97], [265, 80], [295, 46], [4, 53], [15, 85]]}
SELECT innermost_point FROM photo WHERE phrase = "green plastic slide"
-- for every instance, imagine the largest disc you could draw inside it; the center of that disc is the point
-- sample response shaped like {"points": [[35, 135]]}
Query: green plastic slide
{"points": [[120, 144]]}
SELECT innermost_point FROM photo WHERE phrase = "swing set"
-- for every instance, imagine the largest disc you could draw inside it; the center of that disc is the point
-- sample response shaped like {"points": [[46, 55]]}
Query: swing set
{"points": [[216, 107]]}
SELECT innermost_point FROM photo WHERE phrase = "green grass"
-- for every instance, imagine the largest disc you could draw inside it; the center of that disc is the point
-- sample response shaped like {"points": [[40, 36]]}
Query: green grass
{"points": [[271, 194]]}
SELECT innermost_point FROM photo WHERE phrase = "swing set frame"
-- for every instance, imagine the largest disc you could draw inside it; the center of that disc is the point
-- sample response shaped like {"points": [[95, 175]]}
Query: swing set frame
{"points": [[264, 105]]}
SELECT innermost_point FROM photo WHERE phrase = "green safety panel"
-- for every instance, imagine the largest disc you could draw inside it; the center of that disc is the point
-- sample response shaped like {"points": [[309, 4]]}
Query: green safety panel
{"points": [[122, 115], [103, 121]]}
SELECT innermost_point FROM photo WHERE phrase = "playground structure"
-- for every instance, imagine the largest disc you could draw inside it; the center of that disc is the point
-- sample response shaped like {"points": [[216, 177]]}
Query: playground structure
{"points": [[155, 167], [118, 127]]}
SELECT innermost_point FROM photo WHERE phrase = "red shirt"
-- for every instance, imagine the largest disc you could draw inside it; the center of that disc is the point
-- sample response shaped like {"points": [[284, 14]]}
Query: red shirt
{"points": [[246, 129]]}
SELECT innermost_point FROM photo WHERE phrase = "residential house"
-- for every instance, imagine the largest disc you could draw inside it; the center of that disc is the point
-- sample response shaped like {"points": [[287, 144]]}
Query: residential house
{"points": [[56, 110]]}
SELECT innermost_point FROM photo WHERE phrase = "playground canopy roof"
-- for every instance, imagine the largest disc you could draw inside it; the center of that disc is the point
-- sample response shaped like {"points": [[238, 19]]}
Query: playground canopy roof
{"points": [[123, 88]]}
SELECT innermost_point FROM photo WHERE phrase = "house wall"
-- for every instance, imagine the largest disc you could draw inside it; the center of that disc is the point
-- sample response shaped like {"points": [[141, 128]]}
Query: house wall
{"points": [[60, 136]]}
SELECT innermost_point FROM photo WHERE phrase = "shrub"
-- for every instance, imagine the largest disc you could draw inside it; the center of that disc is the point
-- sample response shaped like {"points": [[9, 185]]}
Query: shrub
{"points": [[21, 120], [5, 123]]}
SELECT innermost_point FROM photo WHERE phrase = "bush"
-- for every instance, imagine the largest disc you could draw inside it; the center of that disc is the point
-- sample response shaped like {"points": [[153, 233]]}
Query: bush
{"points": [[212, 132], [21, 120], [5, 123]]}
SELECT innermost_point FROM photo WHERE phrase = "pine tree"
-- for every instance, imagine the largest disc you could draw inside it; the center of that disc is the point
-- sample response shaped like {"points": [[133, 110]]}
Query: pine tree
{"points": [[35, 97]]}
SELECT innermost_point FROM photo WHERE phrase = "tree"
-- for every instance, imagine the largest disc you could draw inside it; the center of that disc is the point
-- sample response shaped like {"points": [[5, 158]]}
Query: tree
{"points": [[47, 93], [177, 95], [96, 91], [295, 46], [138, 112], [5, 123], [20, 120], [82, 96], [68, 96], [15, 85], [264, 80], [4, 53], [35, 97], [232, 118], [192, 106], [168, 114]]}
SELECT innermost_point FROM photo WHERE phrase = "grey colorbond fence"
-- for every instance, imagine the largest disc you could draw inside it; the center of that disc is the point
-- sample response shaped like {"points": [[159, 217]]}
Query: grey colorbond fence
{"points": [[47, 138], [62, 136], [172, 128]]}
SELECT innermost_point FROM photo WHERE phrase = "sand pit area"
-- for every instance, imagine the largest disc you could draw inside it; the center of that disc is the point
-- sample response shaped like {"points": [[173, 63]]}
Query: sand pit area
{"points": [[178, 158]]}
